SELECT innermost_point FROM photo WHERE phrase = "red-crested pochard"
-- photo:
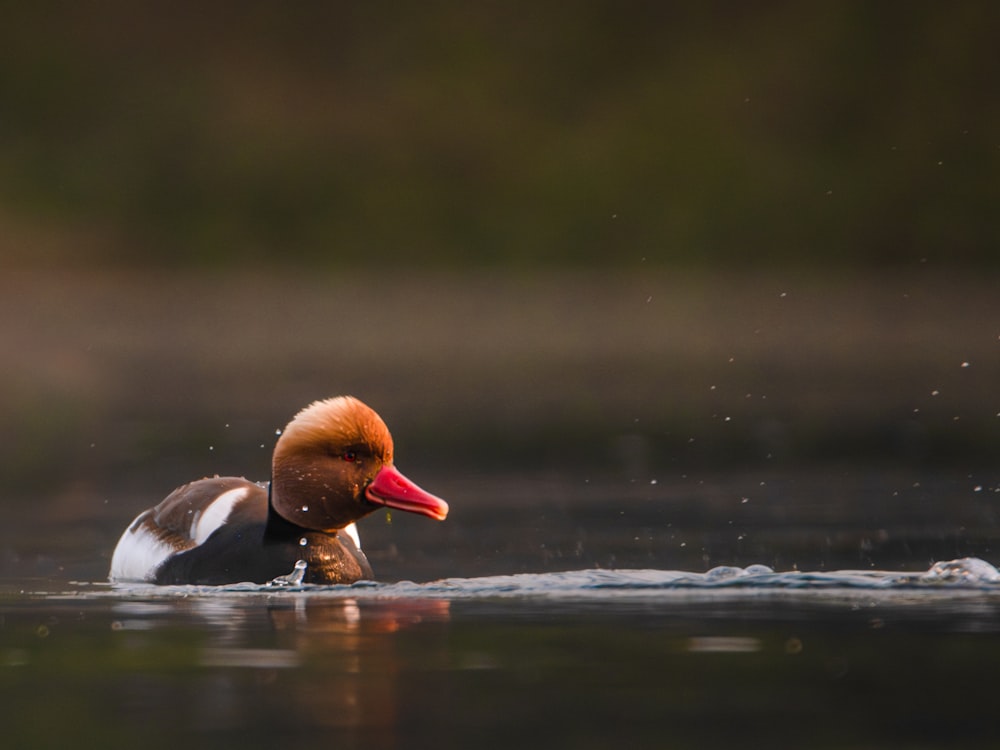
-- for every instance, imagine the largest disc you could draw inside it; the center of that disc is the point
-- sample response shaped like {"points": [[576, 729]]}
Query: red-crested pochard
{"points": [[332, 465]]}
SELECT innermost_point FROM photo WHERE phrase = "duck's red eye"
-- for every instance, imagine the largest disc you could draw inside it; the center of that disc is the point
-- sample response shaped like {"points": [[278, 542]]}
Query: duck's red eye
{"points": [[350, 456]]}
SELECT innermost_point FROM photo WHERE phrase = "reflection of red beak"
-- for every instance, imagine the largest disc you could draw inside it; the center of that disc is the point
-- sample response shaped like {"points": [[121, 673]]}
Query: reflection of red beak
{"points": [[392, 489]]}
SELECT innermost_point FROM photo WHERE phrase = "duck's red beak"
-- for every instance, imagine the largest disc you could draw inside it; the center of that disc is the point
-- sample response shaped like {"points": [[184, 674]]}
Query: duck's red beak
{"points": [[392, 489]]}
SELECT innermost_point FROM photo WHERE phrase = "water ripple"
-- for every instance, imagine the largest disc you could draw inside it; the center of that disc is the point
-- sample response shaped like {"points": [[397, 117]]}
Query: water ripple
{"points": [[965, 573], [962, 575]]}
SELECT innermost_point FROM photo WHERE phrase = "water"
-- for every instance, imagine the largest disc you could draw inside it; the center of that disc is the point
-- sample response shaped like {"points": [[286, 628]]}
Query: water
{"points": [[583, 658], [818, 609]]}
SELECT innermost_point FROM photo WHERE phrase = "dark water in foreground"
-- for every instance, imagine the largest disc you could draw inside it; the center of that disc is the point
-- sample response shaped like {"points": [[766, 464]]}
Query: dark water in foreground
{"points": [[639, 615], [575, 659]]}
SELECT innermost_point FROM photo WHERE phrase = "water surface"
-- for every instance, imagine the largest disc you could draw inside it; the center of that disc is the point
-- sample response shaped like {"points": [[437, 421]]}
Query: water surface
{"points": [[814, 610], [571, 659]]}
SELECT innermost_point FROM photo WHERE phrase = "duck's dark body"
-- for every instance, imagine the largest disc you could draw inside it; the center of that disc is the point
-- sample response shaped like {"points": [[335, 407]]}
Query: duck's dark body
{"points": [[250, 543]]}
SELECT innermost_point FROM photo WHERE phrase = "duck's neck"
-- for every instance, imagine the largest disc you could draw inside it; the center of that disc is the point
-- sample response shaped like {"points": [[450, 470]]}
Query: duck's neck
{"points": [[279, 529]]}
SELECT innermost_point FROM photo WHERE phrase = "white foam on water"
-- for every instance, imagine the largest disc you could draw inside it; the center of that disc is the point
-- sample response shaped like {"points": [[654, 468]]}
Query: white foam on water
{"points": [[956, 576]]}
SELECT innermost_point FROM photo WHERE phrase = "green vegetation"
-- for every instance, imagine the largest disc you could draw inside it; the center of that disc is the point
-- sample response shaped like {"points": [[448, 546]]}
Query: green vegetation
{"points": [[451, 134]]}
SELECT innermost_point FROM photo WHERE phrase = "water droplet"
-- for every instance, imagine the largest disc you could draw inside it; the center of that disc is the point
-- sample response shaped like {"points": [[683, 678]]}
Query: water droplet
{"points": [[305, 508], [303, 542], [294, 578], [965, 364], [278, 431]]}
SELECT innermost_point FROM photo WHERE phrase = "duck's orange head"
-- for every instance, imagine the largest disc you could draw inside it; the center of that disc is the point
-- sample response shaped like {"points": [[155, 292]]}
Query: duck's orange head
{"points": [[333, 465]]}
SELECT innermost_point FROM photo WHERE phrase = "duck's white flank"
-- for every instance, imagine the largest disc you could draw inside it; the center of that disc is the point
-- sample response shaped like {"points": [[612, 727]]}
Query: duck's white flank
{"points": [[139, 553]]}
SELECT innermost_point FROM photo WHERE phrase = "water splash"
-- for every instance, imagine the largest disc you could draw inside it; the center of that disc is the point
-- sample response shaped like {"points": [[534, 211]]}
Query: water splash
{"points": [[959, 577], [964, 573], [970, 570], [294, 578]]}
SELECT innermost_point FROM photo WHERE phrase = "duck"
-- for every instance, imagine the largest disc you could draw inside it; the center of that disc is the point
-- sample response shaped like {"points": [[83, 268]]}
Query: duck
{"points": [[332, 465]]}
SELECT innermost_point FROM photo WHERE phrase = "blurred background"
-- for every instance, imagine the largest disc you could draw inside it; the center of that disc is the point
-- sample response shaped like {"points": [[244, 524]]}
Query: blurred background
{"points": [[661, 261]]}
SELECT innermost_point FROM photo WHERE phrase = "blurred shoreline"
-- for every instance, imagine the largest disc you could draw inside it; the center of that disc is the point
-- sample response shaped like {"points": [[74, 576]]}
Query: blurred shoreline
{"points": [[112, 370]]}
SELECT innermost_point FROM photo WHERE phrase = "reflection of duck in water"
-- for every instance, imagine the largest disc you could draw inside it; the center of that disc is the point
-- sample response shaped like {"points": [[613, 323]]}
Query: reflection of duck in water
{"points": [[332, 465]]}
